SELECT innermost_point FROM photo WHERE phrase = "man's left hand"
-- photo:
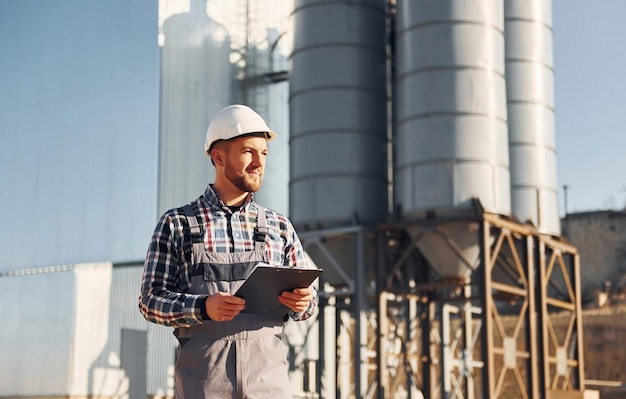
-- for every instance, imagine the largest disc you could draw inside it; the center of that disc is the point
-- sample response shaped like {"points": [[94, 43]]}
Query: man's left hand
{"points": [[297, 300]]}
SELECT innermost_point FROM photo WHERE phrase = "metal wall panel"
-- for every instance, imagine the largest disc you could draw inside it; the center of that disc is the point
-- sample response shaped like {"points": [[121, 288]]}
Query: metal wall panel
{"points": [[530, 98], [37, 334], [338, 113], [125, 315], [451, 128], [133, 361]]}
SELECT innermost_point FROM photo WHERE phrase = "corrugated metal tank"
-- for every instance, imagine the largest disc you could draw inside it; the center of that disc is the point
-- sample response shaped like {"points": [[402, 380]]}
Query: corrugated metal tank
{"points": [[451, 140], [530, 97], [196, 83], [338, 113], [451, 132]]}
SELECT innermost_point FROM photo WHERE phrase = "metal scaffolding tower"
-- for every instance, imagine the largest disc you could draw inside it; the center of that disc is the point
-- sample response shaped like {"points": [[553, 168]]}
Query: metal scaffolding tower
{"points": [[391, 327]]}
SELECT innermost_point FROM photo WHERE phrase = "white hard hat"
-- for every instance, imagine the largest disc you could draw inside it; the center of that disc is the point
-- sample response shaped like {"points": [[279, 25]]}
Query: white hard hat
{"points": [[233, 121]]}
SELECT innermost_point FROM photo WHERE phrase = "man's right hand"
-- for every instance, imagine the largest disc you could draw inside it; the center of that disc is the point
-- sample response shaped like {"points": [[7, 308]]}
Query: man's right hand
{"points": [[224, 307]]}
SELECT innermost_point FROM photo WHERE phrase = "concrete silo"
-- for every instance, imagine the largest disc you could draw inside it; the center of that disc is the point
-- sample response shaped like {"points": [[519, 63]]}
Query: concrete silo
{"points": [[458, 68], [464, 292], [451, 144], [530, 98], [338, 102]]}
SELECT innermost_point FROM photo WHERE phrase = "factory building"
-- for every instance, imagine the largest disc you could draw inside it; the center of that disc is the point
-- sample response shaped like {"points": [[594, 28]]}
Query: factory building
{"points": [[600, 237]]}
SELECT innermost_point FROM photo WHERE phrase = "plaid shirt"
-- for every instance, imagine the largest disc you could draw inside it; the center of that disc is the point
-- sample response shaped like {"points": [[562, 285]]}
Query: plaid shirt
{"points": [[165, 290]]}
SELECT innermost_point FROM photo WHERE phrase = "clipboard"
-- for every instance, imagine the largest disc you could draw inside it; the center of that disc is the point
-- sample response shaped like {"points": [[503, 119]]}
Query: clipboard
{"points": [[265, 284]]}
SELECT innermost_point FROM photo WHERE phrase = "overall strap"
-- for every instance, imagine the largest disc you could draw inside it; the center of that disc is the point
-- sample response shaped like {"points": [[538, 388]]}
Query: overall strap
{"points": [[196, 231], [261, 230]]}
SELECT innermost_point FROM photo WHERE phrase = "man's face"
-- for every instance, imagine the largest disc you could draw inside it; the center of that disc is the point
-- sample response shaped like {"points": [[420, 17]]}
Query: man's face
{"points": [[245, 162]]}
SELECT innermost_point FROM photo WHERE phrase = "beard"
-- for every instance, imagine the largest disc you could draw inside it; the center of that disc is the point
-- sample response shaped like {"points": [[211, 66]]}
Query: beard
{"points": [[242, 180]]}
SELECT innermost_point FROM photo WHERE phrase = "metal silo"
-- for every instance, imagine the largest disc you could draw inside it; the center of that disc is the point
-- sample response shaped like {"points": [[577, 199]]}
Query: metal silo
{"points": [[338, 165], [338, 113], [530, 95], [196, 82], [451, 144]]}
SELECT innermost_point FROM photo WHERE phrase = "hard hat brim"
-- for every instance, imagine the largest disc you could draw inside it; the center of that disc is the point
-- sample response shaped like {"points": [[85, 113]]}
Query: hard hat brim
{"points": [[269, 136]]}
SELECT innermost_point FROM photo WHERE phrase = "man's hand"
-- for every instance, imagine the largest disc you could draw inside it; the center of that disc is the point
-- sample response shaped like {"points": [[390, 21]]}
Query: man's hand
{"points": [[298, 300], [223, 306]]}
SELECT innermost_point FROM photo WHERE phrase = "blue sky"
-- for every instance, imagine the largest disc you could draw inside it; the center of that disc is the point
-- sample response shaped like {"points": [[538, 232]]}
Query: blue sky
{"points": [[590, 102]]}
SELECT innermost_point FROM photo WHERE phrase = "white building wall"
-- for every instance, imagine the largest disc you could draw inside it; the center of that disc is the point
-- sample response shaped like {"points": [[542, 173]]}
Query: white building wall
{"points": [[92, 295], [65, 334], [37, 333]]}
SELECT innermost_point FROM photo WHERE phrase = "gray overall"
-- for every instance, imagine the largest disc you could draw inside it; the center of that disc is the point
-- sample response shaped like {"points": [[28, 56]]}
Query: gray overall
{"points": [[242, 358]]}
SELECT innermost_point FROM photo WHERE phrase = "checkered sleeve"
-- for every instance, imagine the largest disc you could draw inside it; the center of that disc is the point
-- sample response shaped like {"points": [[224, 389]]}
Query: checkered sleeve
{"points": [[294, 256], [164, 297]]}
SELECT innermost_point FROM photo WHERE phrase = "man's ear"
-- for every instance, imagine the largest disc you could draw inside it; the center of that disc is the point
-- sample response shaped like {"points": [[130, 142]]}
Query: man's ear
{"points": [[217, 156]]}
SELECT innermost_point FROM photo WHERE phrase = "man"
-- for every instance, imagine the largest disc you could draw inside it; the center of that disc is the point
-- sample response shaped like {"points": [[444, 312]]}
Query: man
{"points": [[201, 253]]}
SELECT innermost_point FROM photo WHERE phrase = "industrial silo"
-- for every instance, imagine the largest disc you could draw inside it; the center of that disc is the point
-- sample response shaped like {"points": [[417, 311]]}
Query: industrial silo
{"points": [[530, 97], [451, 144], [338, 113], [338, 104], [196, 82]]}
